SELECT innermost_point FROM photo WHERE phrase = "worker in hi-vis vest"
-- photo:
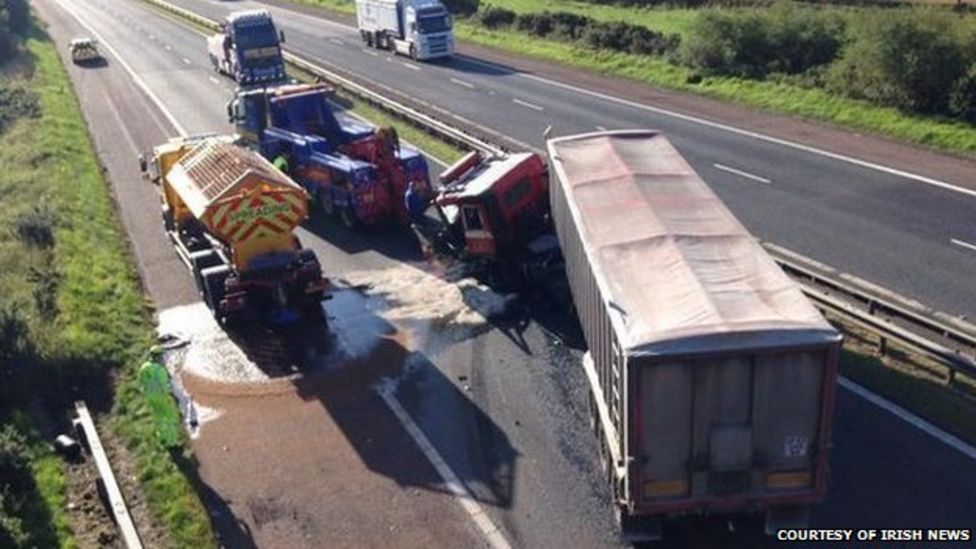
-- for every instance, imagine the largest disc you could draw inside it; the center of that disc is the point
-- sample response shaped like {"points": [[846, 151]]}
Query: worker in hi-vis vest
{"points": [[281, 162], [155, 385]]}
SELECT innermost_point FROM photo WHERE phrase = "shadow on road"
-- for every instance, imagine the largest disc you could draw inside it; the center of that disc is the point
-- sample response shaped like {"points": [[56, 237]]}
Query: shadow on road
{"points": [[473, 65], [231, 531], [346, 382]]}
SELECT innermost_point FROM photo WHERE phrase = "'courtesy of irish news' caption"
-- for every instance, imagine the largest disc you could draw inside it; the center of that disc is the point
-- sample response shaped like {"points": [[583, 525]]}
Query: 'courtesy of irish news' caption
{"points": [[930, 537]]}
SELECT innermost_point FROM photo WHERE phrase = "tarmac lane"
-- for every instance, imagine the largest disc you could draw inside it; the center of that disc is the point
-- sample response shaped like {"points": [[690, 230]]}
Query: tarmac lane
{"points": [[499, 399]]}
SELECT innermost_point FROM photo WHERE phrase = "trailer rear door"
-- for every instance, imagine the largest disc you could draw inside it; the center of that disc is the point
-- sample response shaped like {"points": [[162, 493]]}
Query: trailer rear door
{"points": [[734, 426]]}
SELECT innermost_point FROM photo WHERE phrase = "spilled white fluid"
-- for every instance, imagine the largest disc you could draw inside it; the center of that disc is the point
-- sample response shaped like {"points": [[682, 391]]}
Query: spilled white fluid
{"points": [[210, 354]]}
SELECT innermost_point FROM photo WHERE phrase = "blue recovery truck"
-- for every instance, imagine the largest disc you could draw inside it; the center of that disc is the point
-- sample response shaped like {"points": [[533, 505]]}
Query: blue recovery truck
{"points": [[352, 170], [418, 28], [248, 49]]}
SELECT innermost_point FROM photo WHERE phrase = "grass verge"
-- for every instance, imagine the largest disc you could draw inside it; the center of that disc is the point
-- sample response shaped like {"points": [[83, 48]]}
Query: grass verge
{"points": [[779, 97], [100, 325], [34, 514], [910, 380]]}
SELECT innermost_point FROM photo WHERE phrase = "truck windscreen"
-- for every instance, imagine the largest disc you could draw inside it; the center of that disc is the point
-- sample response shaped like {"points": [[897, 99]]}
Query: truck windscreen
{"points": [[256, 37], [433, 23]]}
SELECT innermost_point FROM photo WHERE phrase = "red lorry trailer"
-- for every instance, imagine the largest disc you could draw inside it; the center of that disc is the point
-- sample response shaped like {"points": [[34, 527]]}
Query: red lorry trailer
{"points": [[711, 376]]}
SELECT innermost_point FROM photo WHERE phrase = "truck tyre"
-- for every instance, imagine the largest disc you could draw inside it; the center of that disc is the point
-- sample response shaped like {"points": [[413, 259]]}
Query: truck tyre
{"points": [[324, 198], [200, 260], [213, 287], [168, 223], [370, 39], [413, 52]]}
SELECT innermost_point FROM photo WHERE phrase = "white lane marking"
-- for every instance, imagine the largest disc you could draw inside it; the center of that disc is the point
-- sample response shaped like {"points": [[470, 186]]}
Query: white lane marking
{"points": [[410, 65], [371, 52], [336, 41], [964, 244], [601, 128], [783, 142], [214, 80], [122, 125], [135, 77], [910, 418], [526, 104], [185, 60], [725, 127], [741, 173], [453, 484], [468, 85]]}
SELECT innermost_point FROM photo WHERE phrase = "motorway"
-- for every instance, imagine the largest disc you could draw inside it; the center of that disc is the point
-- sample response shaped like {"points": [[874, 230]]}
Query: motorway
{"points": [[504, 406], [897, 232]]}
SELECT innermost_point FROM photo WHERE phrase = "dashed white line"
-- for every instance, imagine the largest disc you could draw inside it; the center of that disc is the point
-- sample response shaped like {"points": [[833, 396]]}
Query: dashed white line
{"points": [[214, 80], [963, 244], [185, 60], [468, 85], [740, 131], [601, 128], [908, 417], [410, 65], [741, 173], [526, 104], [371, 52], [453, 484], [135, 77]]}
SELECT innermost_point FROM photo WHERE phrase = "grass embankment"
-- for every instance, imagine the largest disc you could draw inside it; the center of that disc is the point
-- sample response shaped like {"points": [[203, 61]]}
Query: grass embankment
{"points": [[769, 95], [912, 381], [76, 289], [778, 95]]}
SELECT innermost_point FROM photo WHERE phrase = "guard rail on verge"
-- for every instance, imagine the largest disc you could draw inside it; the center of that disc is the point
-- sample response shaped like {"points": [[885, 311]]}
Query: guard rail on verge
{"points": [[891, 318], [120, 513]]}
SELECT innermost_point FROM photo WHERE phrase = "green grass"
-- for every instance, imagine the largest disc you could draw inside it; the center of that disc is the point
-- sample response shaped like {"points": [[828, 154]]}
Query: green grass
{"points": [[926, 398], [42, 513], [667, 20], [772, 96], [346, 7], [103, 323]]}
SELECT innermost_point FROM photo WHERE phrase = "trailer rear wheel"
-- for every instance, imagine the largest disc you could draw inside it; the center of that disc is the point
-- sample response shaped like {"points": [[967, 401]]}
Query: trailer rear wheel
{"points": [[370, 39], [413, 52]]}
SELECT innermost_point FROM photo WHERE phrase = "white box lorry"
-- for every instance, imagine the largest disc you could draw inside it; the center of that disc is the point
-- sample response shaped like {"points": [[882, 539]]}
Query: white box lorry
{"points": [[418, 28]]}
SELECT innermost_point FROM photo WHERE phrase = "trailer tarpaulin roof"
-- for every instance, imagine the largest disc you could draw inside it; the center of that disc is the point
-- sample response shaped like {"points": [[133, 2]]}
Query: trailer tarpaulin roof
{"points": [[676, 268]]}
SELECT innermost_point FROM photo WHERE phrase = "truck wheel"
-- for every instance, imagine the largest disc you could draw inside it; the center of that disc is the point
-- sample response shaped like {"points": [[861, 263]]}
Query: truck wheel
{"points": [[213, 287], [199, 261], [326, 202], [413, 52], [168, 222], [370, 39]]}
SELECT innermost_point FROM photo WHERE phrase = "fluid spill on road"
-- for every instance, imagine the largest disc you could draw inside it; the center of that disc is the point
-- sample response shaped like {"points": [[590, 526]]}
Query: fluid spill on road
{"points": [[431, 306]]}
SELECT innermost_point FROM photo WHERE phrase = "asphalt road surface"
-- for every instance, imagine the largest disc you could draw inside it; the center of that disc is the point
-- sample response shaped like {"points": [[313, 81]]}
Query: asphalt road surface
{"points": [[505, 407], [894, 231]]}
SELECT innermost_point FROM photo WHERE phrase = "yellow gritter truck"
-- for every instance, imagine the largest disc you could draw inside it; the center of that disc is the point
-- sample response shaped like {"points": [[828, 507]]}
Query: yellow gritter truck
{"points": [[231, 216]]}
